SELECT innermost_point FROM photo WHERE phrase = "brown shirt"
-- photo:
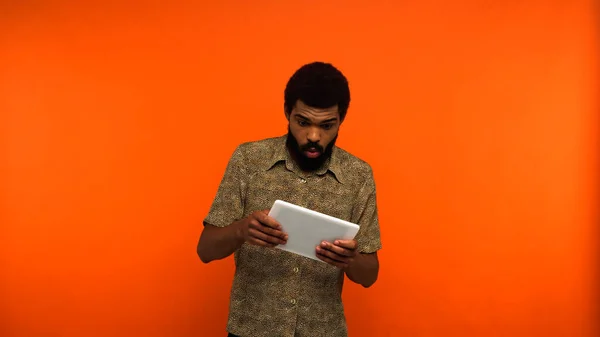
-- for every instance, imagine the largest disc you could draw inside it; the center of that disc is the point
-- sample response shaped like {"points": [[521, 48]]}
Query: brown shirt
{"points": [[277, 293]]}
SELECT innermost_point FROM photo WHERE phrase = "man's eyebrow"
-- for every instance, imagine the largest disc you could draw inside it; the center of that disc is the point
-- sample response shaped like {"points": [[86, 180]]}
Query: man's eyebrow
{"points": [[329, 120]]}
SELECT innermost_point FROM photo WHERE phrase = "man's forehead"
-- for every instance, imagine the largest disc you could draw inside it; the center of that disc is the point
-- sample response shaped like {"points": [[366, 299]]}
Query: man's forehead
{"points": [[303, 110]]}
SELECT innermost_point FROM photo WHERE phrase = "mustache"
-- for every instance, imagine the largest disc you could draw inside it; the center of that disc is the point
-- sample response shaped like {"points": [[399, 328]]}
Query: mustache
{"points": [[312, 145]]}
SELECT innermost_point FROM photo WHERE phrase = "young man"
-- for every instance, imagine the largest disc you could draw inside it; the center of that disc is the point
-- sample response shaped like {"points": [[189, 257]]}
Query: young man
{"points": [[277, 293]]}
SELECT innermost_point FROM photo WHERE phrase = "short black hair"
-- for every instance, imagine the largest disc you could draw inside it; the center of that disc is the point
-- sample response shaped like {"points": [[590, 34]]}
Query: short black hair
{"points": [[318, 85]]}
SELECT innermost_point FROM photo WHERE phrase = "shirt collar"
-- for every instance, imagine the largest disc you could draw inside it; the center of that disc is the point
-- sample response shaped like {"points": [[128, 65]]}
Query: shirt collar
{"points": [[281, 153]]}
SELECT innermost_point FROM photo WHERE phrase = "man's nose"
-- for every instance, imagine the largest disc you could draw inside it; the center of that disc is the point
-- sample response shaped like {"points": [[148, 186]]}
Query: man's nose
{"points": [[314, 135]]}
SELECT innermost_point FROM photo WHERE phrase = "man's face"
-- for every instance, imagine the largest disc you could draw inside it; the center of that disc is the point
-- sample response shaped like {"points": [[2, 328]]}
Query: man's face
{"points": [[313, 133]]}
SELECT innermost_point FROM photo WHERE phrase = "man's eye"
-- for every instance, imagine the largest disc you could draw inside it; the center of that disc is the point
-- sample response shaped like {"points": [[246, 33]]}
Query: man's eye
{"points": [[302, 123], [327, 126]]}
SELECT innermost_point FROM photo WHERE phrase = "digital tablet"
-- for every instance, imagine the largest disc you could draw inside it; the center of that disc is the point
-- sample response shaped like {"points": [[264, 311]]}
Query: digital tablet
{"points": [[306, 228]]}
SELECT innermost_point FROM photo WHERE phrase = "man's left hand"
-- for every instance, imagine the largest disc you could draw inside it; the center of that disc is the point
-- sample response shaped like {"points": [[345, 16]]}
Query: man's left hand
{"points": [[339, 253]]}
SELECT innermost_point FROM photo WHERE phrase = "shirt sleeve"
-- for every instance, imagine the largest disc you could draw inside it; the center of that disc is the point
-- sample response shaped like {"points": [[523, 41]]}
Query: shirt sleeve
{"points": [[228, 204], [366, 215]]}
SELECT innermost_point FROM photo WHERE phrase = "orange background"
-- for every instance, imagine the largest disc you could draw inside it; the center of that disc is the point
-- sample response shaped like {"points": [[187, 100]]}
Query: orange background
{"points": [[117, 122]]}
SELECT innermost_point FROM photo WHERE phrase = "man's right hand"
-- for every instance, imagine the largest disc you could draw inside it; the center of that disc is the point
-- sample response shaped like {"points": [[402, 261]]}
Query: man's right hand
{"points": [[262, 230]]}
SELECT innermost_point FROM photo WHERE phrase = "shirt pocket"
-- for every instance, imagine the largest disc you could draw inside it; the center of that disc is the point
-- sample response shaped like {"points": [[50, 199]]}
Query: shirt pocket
{"points": [[335, 204], [262, 198], [264, 188]]}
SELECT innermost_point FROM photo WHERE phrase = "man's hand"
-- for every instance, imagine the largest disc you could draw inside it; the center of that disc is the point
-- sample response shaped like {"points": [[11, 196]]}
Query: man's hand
{"points": [[340, 253], [262, 230]]}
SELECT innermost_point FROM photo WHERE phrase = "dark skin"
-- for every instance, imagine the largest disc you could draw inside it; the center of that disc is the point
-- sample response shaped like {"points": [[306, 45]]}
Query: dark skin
{"points": [[257, 229], [307, 124]]}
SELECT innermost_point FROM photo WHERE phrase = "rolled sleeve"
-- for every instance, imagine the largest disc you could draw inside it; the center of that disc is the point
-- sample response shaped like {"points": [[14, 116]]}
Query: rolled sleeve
{"points": [[366, 216], [228, 204]]}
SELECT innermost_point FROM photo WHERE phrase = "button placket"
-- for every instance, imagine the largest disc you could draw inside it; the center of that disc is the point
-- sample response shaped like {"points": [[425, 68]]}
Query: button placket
{"points": [[294, 295]]}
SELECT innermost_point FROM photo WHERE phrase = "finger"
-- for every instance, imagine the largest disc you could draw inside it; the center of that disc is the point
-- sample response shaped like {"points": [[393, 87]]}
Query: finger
{"points": [[268, 230], [332, 262], [268, 221], [349, 244], [255, 233], [337, 249], [332, 255], [259, 242]]}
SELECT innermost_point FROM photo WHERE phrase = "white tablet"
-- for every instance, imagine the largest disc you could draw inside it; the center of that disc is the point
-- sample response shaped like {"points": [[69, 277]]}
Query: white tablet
{"points": [[306, 228]]}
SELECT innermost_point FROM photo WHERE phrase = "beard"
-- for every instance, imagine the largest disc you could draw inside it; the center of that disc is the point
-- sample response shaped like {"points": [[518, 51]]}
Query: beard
{"points": [[305, 163]]}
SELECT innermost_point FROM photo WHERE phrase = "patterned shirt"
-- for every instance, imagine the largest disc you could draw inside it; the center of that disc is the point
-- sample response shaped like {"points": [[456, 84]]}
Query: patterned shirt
{"points": [[276, 293]]}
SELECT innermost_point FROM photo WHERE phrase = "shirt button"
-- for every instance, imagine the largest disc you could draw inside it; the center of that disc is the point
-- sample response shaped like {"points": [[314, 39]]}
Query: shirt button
{"points": [[293, 301], [303, 180], [295, 269]]}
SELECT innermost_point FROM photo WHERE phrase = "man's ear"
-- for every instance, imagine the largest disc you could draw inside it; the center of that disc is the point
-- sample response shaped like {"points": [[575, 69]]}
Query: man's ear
{"points": [[287, 113]]}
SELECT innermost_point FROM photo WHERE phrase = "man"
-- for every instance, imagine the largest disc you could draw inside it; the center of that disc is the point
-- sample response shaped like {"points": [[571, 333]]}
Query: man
{"points": [[277, 293]]}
